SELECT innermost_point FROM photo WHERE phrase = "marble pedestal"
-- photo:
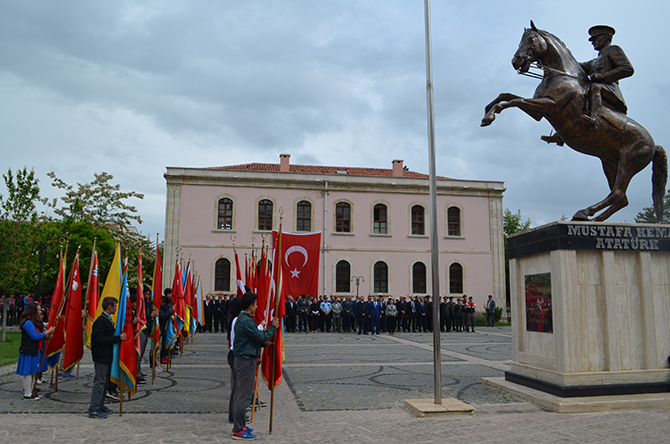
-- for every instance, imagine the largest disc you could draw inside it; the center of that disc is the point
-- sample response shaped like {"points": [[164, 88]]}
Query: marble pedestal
{"points": [[607, 306]]}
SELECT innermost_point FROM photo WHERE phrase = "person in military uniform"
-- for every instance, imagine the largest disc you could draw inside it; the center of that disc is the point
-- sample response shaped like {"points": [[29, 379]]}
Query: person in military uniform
{"points": [[605, 71]]}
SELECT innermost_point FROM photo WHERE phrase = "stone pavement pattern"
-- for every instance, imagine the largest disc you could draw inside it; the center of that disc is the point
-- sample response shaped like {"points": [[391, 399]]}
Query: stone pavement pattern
{"points": [[338, 388]]}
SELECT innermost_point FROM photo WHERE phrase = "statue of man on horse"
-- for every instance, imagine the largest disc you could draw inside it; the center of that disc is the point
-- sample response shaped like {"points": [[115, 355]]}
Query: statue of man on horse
{"points": [[584, 105]]}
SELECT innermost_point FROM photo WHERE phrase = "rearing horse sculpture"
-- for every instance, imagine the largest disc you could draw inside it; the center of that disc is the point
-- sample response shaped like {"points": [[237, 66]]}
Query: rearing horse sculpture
{"points": [[624, 146]]}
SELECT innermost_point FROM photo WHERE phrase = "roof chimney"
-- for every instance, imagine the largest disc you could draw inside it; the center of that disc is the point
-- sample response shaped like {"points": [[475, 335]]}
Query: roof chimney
{"points": [[397, 168], [284, 163]]}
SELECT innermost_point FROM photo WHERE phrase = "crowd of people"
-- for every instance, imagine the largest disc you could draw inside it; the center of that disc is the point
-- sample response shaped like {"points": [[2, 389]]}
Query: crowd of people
{"points": [[16, 305], [234, 315], [371, 315]]}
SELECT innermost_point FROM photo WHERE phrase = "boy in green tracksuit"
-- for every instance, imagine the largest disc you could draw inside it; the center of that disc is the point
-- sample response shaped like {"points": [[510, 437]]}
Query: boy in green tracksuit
{"points": [[247, 349]]}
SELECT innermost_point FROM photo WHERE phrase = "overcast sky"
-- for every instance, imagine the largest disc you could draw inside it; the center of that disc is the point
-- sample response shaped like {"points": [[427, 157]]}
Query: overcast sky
{"points": [[132, 87]]}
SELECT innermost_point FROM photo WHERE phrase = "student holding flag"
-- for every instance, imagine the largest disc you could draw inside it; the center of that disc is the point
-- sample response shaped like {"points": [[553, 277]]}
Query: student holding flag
{"points": [[102, 340], [247, 349]]}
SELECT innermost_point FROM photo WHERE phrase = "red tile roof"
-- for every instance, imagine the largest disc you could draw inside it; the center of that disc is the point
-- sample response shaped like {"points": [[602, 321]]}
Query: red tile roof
{"points": [[316, 169]]}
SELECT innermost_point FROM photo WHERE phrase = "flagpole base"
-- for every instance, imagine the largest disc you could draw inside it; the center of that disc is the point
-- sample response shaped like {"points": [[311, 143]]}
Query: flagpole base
{"points": [[423, 408]]}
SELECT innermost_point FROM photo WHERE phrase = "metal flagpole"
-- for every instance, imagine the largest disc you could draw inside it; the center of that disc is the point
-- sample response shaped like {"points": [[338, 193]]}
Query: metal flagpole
{"points": [[434, 251]]}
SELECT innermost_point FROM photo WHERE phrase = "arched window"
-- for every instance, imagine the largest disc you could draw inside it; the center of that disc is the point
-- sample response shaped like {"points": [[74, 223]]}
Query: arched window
{"points": [[265, 215], [381, 276], [456, 278], [417, 220], [343, 277], [304, 216], [379, 223], [343, 217], [419, 278], [454, 221], [222, 275], [225, 219]]}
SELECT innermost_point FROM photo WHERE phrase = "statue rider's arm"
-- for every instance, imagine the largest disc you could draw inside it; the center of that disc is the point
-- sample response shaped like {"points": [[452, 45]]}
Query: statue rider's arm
{"points": [[623, 67]]}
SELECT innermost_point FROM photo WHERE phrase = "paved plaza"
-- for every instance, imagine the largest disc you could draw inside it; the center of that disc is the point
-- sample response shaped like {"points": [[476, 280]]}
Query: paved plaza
{"points": [[337, 388]]}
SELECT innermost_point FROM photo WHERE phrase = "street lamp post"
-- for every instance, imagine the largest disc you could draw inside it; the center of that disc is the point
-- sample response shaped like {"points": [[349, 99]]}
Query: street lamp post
{"points": [[359, 279]]}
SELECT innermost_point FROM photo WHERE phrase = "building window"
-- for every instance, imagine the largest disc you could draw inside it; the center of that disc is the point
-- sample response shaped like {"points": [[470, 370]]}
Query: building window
{"points": [[419, 278], [343, 217], [225, 219], [456, 278], [304, 216], [265, 215], [454, 221], [381, 274], [379, 214], [417, 220], [222, 275], [343, 277]]}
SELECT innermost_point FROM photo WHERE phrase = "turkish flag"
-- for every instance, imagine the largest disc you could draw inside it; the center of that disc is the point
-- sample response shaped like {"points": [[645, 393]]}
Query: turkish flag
{"points": [[300, 264]]}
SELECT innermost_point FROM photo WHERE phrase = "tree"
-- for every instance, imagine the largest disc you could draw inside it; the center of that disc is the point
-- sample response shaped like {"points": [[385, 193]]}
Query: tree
{"points": [[512, 223], [648, 215], [18, 222], [103, 205], [99, 202]]}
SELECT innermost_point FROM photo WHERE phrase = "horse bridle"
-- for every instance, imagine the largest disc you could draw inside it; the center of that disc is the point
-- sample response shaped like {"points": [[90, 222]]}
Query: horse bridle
{"points": [[538, 65]]}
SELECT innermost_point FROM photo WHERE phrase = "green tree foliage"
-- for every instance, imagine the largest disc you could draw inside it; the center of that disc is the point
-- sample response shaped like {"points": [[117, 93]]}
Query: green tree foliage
{"points": [[99, 202], [103, 204], [647, 215], [92, 211], [18, 222], [513, 222]]}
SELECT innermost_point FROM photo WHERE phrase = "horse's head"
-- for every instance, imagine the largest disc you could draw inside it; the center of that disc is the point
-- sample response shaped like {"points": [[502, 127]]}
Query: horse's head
{"points": [[531, 49]]}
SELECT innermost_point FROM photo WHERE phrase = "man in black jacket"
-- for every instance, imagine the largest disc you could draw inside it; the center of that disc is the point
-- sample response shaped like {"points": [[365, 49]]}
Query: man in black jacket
{"points": [[362, 310], [102, 340], [290, 308]]}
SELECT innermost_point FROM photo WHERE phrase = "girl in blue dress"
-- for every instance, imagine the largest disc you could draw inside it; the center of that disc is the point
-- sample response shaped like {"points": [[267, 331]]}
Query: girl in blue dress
{"points": [[32, 348]]}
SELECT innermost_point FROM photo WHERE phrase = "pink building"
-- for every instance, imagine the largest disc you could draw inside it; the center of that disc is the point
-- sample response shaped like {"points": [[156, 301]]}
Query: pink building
{"points": [[374, 223]]}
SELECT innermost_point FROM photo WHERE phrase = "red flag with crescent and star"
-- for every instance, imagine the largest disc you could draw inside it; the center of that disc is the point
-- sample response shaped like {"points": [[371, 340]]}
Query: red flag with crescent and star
{"points": [[300, 264]]}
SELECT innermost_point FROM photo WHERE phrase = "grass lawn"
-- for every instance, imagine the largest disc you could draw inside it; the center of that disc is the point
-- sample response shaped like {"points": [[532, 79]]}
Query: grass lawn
{"points": [[9, 351]]}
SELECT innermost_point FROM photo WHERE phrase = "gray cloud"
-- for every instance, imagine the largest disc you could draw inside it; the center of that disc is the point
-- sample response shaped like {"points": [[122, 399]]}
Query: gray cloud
{"points": [[129, 88]]}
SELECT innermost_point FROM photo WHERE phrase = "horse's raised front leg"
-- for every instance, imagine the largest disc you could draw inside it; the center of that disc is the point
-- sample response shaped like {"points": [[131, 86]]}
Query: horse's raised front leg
{"points": [[536, 108], [489, 115]]}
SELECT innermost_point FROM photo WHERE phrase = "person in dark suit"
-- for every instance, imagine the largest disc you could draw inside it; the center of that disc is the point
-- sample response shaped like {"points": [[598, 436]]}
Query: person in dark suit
{"points": [[362, 315], [209, 313], [429, 313], [400, 319], [291, 310], [216, 317], [102, 340], [347, 312], [374, 312], [303, 313], [314, 314], [450, 313], [491, 311], [420, 314], [443, 314]]}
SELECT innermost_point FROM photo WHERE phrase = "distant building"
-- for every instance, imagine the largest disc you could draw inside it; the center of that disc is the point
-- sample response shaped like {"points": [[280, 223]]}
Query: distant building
{"points": [[375, 225]]}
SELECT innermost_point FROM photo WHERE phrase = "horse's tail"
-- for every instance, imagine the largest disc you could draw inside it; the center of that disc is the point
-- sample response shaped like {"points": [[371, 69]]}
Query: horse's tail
{"points": [[659, 178]]}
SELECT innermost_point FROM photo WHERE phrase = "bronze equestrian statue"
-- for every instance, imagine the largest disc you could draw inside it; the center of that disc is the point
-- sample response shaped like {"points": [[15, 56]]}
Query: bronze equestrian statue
{"points": [[588, 114]]}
